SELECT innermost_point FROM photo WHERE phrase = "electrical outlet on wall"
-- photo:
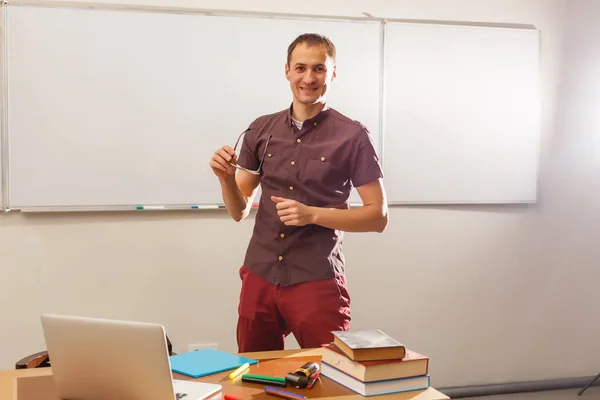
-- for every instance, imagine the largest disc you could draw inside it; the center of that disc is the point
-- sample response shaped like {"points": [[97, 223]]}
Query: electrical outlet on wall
{"points": [[200, 346]]}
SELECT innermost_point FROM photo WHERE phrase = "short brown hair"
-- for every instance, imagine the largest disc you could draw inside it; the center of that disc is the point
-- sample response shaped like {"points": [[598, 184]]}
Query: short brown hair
{"points": [[312, 39]]}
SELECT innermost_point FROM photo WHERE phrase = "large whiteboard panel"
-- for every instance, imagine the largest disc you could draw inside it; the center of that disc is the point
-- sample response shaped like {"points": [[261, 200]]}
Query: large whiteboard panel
{"points": [[3, 204], [3, 169], [111, 108], [3, 159], [462, 113]]}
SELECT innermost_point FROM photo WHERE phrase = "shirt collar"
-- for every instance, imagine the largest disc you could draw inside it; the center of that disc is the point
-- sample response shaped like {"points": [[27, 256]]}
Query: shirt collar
{"points": [[317, 118]]}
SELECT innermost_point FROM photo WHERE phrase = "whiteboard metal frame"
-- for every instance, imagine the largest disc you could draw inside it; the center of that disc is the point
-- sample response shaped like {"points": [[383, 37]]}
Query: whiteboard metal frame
{"points": [[131, 208], [187, 10], [4, 111], [382, 72]]}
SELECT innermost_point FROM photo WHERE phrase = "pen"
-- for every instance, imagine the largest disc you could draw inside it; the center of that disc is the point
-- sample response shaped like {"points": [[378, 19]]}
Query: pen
{"points": [[284, 393], [313, 380], [239, 370]]}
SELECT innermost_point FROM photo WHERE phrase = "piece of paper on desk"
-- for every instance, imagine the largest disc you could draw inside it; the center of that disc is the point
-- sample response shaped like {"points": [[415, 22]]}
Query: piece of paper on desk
{"points": [[205, 362]]}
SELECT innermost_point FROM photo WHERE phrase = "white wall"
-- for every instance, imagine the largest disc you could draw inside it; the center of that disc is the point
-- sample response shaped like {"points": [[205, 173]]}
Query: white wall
{"points": [[491, 294]]}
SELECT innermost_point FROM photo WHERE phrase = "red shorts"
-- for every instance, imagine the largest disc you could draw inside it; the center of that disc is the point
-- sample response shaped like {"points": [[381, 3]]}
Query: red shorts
{"points": [[310, 310]]}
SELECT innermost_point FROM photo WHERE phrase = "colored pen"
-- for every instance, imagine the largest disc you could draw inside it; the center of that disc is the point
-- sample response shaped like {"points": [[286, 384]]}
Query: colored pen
{"points": [[150, 207], [313, 380], [271, 381], [230, 397], [284, 393], [238, 371]]}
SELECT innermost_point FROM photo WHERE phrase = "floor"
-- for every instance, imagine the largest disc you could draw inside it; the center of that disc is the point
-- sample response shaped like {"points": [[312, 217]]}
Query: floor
{"points": [[592, 393]]}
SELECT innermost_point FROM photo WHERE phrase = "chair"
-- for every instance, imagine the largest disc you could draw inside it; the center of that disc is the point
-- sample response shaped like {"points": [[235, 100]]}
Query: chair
{"points": [[37, 360], [589, 384], [42, 359]]}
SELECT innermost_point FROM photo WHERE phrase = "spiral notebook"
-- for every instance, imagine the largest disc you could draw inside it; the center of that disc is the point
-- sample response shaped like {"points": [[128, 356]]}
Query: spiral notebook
{"points": [[205, 362]]}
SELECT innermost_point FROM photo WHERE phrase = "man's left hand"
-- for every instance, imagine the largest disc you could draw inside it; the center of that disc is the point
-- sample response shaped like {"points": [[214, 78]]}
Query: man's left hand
{"points": [[292, 212]]}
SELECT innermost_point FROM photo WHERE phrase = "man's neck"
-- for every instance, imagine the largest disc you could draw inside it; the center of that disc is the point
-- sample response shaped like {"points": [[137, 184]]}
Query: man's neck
{"points": [[302, 112]]}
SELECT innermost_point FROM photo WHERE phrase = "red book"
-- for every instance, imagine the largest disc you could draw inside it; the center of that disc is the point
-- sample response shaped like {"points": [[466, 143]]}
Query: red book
{"points": [[413, 364]]}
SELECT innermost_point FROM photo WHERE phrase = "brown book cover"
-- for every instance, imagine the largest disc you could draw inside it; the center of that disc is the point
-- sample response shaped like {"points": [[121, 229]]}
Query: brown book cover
{"points": [[413, 364], [368, 345]]}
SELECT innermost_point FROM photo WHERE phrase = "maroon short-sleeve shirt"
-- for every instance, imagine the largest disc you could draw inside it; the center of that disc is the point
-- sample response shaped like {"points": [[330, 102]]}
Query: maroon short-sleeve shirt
{"points": [[317, 165]]}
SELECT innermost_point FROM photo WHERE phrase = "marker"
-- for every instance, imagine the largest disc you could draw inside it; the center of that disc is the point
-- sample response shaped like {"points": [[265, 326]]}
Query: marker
{"points": [[230, 397], [267, 380], [284, 393], [264, 377], [239, 370], [313, 380], [207, 207], [150, 207]]}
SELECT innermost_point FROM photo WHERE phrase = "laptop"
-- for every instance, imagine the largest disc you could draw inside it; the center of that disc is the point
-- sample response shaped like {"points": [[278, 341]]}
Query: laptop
{"points": [[99, 359]]}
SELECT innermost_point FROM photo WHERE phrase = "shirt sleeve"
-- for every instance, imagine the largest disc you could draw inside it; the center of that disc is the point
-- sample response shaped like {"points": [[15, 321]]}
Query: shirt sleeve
{"points": [[247, 154], [365, 166]]}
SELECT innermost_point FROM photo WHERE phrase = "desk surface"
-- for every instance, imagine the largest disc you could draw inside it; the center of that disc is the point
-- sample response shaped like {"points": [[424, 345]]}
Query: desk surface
{"points": [[271, 363]]}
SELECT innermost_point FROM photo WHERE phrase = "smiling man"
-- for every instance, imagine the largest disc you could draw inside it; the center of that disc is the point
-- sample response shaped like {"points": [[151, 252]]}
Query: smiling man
{"points": [[306, 158]]}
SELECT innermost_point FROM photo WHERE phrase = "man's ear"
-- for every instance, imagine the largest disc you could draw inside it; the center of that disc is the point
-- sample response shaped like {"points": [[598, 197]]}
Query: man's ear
{"points": [[287, 71], [333, 74]]}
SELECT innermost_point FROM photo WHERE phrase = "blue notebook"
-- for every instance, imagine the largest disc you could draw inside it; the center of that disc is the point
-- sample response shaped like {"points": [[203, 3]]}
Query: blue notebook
{"points": [[204, 362]]}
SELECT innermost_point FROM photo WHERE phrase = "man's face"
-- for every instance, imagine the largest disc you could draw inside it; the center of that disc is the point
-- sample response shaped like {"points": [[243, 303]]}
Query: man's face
{"points": [[310, 73]]}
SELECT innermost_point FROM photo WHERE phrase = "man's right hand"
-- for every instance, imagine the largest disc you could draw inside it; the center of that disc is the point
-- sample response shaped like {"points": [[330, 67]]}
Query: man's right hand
{"points": [[236, 196], [220, 163]]}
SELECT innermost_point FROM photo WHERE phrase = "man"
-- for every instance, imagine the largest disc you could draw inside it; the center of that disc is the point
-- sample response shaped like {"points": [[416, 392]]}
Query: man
{"points": [[307, 159]]}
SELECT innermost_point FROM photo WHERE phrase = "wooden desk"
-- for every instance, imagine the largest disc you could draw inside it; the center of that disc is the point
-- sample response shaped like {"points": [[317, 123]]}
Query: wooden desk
{"points": [[37, 383]]}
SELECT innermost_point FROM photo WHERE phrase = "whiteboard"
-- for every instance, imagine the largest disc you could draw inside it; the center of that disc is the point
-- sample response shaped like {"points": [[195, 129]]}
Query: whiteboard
{"points": [[3, 182], [3, 133], [462, 114], [3, 169], [118, 108]]}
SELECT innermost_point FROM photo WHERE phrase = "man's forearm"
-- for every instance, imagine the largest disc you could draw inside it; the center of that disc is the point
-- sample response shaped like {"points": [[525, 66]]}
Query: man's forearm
{"points": [[235, 201], [369, 218]]}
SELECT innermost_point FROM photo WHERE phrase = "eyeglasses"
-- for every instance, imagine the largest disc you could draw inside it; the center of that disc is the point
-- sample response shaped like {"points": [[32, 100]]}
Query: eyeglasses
{"points": [[253, 172]]}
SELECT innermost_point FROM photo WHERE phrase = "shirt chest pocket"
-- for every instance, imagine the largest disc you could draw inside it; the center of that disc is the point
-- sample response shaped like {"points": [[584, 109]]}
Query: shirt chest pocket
{"points": [[273, 163], [322, 168]]}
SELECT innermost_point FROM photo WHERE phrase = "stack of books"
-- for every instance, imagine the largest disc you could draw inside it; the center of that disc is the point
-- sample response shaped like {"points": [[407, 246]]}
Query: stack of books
{"points": [[372, 363]]}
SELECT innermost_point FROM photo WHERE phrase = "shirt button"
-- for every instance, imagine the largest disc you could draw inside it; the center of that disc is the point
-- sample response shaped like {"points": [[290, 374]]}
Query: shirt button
{"points": [[293, 162], [282, 235], [315, 124], [280, 258], [298, 140], [322, 158], [291, 188]]}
